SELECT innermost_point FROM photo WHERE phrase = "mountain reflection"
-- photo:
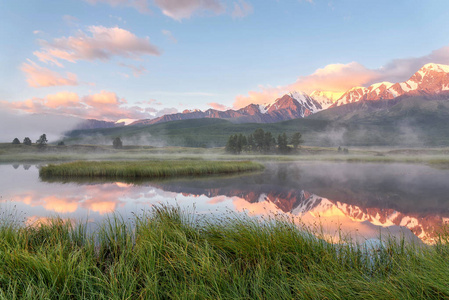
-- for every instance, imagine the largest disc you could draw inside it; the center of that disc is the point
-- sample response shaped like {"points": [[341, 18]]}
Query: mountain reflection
{"points": [[358, 199]]}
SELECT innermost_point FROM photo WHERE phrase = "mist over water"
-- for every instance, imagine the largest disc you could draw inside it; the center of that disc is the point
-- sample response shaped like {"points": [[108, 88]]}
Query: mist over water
{"points": [[360, 199]]}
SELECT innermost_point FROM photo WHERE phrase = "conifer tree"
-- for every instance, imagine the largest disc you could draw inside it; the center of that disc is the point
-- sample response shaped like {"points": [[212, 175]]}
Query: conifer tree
{"points": [[296, 140]]}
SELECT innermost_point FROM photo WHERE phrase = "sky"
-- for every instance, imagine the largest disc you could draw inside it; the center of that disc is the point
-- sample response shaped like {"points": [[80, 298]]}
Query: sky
{"points": [[139, 59]]}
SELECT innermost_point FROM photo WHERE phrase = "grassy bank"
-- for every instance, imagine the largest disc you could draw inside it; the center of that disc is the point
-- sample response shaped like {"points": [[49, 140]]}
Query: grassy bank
{"points": [[170, 254], [146, 169]]}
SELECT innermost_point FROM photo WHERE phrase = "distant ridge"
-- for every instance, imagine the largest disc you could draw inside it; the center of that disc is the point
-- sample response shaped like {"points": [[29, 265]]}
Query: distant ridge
{"points": [[290, 106]]}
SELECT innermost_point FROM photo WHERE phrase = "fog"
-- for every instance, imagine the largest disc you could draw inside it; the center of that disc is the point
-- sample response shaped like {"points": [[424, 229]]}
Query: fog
{"points": [[34, 125]]}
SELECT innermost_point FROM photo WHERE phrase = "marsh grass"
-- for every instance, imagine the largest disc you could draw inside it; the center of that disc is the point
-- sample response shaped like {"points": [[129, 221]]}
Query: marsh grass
{"points": [[146, 169], [169, 253]]}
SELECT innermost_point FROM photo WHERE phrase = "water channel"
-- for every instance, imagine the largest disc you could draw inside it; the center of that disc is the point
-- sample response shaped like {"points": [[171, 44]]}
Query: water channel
{"points": [[362, 200]]}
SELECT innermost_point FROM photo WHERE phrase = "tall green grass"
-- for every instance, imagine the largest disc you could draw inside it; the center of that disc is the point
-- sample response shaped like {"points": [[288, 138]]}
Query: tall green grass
{"points": [[169, 253], [146, 169]]}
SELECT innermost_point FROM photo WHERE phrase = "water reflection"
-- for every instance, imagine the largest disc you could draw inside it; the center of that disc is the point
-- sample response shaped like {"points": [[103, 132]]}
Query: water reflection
{"points": [[358, 199]]}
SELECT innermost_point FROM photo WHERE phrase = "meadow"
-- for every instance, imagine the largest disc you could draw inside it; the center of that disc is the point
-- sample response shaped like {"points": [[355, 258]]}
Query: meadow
{"points": [[9, 153], [168, 252], [145, 169]]}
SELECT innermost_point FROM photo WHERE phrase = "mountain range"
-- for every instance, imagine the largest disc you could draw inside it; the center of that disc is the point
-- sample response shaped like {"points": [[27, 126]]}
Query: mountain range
{"points": [[413, 113], [430, 82]]}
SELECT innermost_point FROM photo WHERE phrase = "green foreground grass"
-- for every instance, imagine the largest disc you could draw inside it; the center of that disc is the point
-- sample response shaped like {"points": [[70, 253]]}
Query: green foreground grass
{"points": [[146, 169], [168, 253]]}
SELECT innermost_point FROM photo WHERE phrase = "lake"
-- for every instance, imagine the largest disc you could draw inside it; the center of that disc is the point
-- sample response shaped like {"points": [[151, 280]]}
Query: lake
{"points": [[363, 200]]}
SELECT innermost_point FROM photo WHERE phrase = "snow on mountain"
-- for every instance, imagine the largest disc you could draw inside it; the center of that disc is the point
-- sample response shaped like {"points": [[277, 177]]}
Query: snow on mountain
{"points": [[317, 207], [290, 106], [125, 121], [431, 81], [351, 96], [307, 101], [326, 98], [378, 91]]}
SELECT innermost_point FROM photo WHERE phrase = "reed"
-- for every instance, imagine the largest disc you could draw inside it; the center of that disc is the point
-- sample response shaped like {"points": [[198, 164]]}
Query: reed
{"points": [[146, 169], [170, 253]]}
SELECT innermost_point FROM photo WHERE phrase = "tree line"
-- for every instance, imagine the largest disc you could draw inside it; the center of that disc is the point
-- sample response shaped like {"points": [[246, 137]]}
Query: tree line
{"points": [[27, 141], [263, 142]]}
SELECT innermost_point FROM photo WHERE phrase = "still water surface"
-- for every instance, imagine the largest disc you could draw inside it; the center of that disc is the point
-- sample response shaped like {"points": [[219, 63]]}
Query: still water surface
{"points": [[362, 200]]}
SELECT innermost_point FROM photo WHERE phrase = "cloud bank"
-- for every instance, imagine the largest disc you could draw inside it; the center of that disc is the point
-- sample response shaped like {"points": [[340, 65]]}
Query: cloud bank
{"points": [[105, 106]]}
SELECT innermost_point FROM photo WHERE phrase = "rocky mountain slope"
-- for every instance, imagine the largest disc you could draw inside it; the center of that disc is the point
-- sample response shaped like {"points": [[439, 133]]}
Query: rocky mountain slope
{"points": [[290, 106], [431, 81]]}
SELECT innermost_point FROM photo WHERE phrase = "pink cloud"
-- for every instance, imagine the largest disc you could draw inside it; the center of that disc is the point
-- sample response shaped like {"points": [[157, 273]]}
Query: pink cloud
{"points": [[102, 43], [335, 77], [217, 106], [105, 106], [103, 98], [341, 77], [42, 77], [264, 95], [63, 99]]}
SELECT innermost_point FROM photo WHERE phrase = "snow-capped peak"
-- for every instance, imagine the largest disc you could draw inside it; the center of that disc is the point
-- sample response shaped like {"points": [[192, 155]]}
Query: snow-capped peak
{"points": [[379, 84], [126, 121], [263, 108], [326, 98], [299, 95], [356, 88], [187, 111], [332, 96], [436, 67]]}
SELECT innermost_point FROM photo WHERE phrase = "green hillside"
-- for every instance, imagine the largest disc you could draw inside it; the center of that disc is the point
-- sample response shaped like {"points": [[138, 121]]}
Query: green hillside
{"points": [[191, 133], [402, 122]]}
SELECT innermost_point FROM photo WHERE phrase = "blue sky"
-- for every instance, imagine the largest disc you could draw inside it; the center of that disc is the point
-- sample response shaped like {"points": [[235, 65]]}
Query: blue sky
{"points": [[130, 59]]}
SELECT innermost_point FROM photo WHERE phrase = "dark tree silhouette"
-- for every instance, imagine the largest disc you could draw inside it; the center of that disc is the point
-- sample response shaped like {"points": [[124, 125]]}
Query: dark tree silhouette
{"points": [[16, 141], [283, 143], [27, 141], [259, 138], [117, 143], [42, 140], [231, 145], [296, 140], [261, 141]]}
